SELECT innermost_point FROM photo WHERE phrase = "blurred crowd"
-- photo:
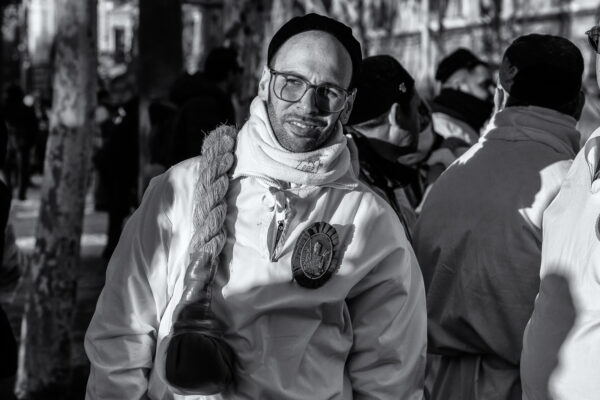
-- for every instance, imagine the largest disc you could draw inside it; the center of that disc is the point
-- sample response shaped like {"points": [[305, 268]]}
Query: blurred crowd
{"points": [[197, 103], [427, 135]]}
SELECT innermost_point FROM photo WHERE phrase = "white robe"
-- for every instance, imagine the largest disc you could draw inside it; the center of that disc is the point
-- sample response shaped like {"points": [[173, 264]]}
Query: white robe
{"points": [[361, 335], [561, 345]]}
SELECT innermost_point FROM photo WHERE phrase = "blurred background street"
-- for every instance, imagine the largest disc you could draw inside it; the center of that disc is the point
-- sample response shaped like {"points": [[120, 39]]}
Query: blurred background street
{"points": [[90, 275]]}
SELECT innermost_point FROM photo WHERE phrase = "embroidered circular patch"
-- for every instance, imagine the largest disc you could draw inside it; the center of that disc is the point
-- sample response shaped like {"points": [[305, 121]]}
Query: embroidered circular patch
{"points": [[315, 256]]}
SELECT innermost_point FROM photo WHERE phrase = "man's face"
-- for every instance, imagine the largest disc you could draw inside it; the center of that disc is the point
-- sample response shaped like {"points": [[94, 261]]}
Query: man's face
{"points": [[479, 83], [399, 135], [319, 58]]}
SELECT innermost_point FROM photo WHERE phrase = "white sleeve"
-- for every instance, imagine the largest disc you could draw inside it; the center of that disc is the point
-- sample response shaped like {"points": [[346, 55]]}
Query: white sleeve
{"points": [[551, 179], [389, 319], [121, 338]]}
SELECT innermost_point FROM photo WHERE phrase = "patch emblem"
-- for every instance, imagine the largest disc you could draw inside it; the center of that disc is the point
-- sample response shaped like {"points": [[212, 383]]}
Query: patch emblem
{"points": [[315, 256]]}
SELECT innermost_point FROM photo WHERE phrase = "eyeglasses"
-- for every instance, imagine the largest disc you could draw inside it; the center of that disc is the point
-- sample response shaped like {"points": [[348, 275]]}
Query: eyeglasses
{"points": [[593, 37], [291, 88]]}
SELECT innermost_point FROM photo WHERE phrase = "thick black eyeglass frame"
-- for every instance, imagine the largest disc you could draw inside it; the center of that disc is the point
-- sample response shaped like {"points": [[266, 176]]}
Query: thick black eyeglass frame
{"points": [[594, 37], [309, 85]]}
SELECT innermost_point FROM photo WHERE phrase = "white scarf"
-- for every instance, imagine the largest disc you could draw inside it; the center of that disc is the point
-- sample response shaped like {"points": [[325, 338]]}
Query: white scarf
{"points": [[259, 154]]}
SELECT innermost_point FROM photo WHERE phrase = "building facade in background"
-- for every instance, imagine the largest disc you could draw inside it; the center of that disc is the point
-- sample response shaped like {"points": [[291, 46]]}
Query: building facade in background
{"points": [[417, 32]]}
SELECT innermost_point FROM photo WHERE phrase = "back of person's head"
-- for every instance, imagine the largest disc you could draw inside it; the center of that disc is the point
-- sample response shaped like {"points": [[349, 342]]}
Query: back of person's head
{"points": [[463, 71], [544, 71], [316, 22], [459, 59], [220, 62], [122, 88], [381, 83]]}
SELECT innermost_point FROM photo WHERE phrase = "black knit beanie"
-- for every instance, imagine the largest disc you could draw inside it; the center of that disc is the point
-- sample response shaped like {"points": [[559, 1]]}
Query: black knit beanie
{"points": [[315, 22]]}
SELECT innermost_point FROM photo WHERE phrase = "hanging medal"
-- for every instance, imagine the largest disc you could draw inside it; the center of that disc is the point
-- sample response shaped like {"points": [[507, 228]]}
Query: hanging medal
{"points": [[315, 256]]}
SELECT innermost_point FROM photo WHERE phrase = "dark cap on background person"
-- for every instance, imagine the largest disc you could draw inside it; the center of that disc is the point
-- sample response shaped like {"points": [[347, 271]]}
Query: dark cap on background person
{"points": [[459, 59], [381, 83], [542, 70], [315, 22]]}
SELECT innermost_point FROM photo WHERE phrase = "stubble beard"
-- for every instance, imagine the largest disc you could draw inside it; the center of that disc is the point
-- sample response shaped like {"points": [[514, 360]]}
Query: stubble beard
{"points": [[285, 139]]}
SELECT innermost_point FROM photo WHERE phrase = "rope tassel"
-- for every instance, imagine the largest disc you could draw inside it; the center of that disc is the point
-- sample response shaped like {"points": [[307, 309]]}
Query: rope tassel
{"points": [[198, 358]]}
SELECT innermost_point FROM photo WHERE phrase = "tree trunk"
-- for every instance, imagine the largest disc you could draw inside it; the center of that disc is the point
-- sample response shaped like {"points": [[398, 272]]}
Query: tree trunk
{"points": [[351, 12], [492, 39], [565, 18], [160, 62], [440, 40], [425, 65], [249, 25], [2, 6], [45, 353]]}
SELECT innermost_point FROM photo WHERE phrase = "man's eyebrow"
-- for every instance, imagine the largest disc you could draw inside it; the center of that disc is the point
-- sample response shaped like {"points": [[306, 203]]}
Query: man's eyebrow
{"points": [[294, 73]]}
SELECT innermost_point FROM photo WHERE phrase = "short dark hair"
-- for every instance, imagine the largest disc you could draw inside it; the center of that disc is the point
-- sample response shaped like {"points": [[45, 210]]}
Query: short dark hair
{"points": [[316, 22], [460, 58], [544, 71]]}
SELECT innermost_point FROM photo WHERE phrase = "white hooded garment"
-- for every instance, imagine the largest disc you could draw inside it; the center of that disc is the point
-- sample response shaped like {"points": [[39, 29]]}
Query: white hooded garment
{"points": [[561, 344], [361, 335]]}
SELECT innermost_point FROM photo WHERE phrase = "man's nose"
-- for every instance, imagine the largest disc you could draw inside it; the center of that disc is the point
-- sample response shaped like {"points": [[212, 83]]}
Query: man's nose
{"points": [[309, 102]]}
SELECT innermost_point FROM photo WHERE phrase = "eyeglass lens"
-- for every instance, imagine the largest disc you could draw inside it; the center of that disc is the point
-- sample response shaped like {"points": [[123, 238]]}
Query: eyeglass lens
{"points": [[291, 88]]}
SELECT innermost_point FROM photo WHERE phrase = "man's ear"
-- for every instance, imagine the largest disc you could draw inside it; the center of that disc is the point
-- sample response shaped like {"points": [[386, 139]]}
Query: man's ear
{"points": [[263, 84], [345, 114], [500, 97], [393, 115], [456, 81]]}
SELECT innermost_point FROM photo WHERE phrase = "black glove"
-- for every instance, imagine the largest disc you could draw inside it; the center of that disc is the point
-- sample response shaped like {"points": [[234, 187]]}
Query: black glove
{"points": [[198, 358]]}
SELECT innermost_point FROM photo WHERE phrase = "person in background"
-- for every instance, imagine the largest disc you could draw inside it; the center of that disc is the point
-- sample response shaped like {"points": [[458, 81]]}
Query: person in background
{"points": [[162, 114], [22, 125], [43, 110], [120, 154], [316, 290], [8, 344], [561, 344], [204, 102], [465, 101], [103, 117], [391, 126], [478, 238]]}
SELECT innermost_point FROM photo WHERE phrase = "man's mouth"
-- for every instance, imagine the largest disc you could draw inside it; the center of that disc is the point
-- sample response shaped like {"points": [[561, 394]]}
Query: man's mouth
{"points": [[303, 124], [305, 127]]}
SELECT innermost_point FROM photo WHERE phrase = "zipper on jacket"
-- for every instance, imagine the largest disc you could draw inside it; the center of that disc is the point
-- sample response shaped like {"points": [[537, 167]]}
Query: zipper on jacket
{"points": [[280, 227], [281, 211]]}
